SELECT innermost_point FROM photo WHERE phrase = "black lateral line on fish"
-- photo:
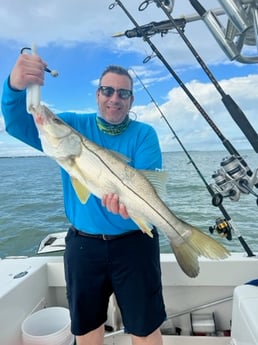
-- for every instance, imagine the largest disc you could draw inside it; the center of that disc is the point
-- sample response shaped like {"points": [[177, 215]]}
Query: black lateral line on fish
{"points": [[84, 141], [128, 187]]}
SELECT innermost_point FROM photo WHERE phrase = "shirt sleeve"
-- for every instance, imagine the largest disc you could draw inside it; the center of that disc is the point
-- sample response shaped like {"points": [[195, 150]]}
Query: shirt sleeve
{"points": [[148, 153], [18, 122]]}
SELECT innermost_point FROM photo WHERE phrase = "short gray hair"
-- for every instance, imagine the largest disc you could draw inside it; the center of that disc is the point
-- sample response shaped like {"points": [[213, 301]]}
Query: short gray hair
{"points": [[117, 70]]}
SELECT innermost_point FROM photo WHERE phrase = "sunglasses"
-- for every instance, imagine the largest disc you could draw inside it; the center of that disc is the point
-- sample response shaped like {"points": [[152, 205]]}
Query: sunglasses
{"points": [[108, 91]]}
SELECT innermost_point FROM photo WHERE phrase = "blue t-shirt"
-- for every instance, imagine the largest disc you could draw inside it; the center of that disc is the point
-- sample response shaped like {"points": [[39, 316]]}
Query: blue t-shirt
{"points": [[138, 142]]}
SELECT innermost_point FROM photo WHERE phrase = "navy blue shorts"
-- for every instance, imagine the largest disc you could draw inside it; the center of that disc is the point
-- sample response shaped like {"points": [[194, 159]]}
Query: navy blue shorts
{"points": [[129, 267]]}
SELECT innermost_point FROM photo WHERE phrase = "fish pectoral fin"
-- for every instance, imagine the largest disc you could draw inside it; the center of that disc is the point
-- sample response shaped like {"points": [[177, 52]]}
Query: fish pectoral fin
{"points": [[158, 179], [144, 226], [81, 191]]}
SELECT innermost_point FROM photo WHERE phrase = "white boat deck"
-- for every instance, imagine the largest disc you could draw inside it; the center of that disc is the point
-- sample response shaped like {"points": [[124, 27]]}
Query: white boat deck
{"points": [[30, 284]]}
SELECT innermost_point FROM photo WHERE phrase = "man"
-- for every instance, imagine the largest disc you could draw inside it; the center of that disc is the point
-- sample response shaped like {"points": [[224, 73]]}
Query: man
{"points": [[105, 250]]}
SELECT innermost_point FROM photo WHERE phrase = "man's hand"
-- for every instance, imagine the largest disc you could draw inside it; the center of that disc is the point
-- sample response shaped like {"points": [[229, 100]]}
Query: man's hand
{"points": [[29, 69], [111, 202]]}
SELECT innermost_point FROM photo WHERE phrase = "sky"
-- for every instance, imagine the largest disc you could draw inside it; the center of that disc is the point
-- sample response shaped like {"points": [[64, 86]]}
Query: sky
{"points": [[75, 38]]}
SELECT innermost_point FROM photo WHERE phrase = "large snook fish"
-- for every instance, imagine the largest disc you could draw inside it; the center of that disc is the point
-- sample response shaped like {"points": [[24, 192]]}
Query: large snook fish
{"points": [[99, 171]]}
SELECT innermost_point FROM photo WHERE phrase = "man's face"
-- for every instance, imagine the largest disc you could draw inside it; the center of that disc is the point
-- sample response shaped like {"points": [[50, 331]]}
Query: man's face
{"points": [[113, 108]]}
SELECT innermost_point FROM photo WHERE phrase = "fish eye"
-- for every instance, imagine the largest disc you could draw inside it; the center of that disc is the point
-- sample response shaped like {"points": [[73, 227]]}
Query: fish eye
{"points": [[57, 121]]}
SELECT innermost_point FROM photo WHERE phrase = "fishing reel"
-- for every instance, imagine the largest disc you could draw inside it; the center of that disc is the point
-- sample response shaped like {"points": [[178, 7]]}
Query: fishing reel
{"points": [[223, 228], [232, 179]]}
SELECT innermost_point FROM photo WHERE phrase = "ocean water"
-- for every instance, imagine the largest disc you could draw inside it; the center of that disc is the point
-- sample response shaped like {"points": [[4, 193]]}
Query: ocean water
{"points": [[31, 203]]}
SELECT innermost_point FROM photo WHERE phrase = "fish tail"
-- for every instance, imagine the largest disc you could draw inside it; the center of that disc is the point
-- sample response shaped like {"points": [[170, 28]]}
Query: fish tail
{"points": [[195, 245]]}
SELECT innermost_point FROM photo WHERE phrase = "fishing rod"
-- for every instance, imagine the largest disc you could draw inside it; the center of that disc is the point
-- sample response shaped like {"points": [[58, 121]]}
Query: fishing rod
{"points": [[162, 27], [234, 110], [241, 184], [223, 226], [235, 177], [226, 143]]}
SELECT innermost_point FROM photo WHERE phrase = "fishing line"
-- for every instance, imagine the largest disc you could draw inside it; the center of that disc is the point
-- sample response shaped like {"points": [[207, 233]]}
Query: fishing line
{"points": [[234, 110], [225, 142], [178, 139], [176, 136], [210, 190]]}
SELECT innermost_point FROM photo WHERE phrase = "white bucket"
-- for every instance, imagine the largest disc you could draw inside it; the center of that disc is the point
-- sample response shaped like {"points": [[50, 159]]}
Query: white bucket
{"points": [[48, 326]]}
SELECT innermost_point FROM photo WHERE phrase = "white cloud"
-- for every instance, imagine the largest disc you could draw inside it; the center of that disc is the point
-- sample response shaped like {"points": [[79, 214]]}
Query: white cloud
{"points": [[69, 22], [190, 126]]}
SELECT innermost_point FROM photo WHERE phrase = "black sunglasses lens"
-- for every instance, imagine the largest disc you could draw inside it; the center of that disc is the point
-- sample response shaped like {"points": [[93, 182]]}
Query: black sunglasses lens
{"points": [[108, 91], [123, 93]]}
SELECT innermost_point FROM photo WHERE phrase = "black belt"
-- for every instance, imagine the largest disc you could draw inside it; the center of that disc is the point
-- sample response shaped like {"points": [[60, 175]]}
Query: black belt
{"points": [[103, 236]]}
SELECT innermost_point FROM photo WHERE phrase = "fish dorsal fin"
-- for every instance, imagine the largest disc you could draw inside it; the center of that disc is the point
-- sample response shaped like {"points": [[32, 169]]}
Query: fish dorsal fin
{"points": [[81, 191], [158, 178]]}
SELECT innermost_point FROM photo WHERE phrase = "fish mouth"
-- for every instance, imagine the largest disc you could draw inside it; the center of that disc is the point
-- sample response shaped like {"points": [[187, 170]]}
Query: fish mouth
{"points": [[40, 119]]}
